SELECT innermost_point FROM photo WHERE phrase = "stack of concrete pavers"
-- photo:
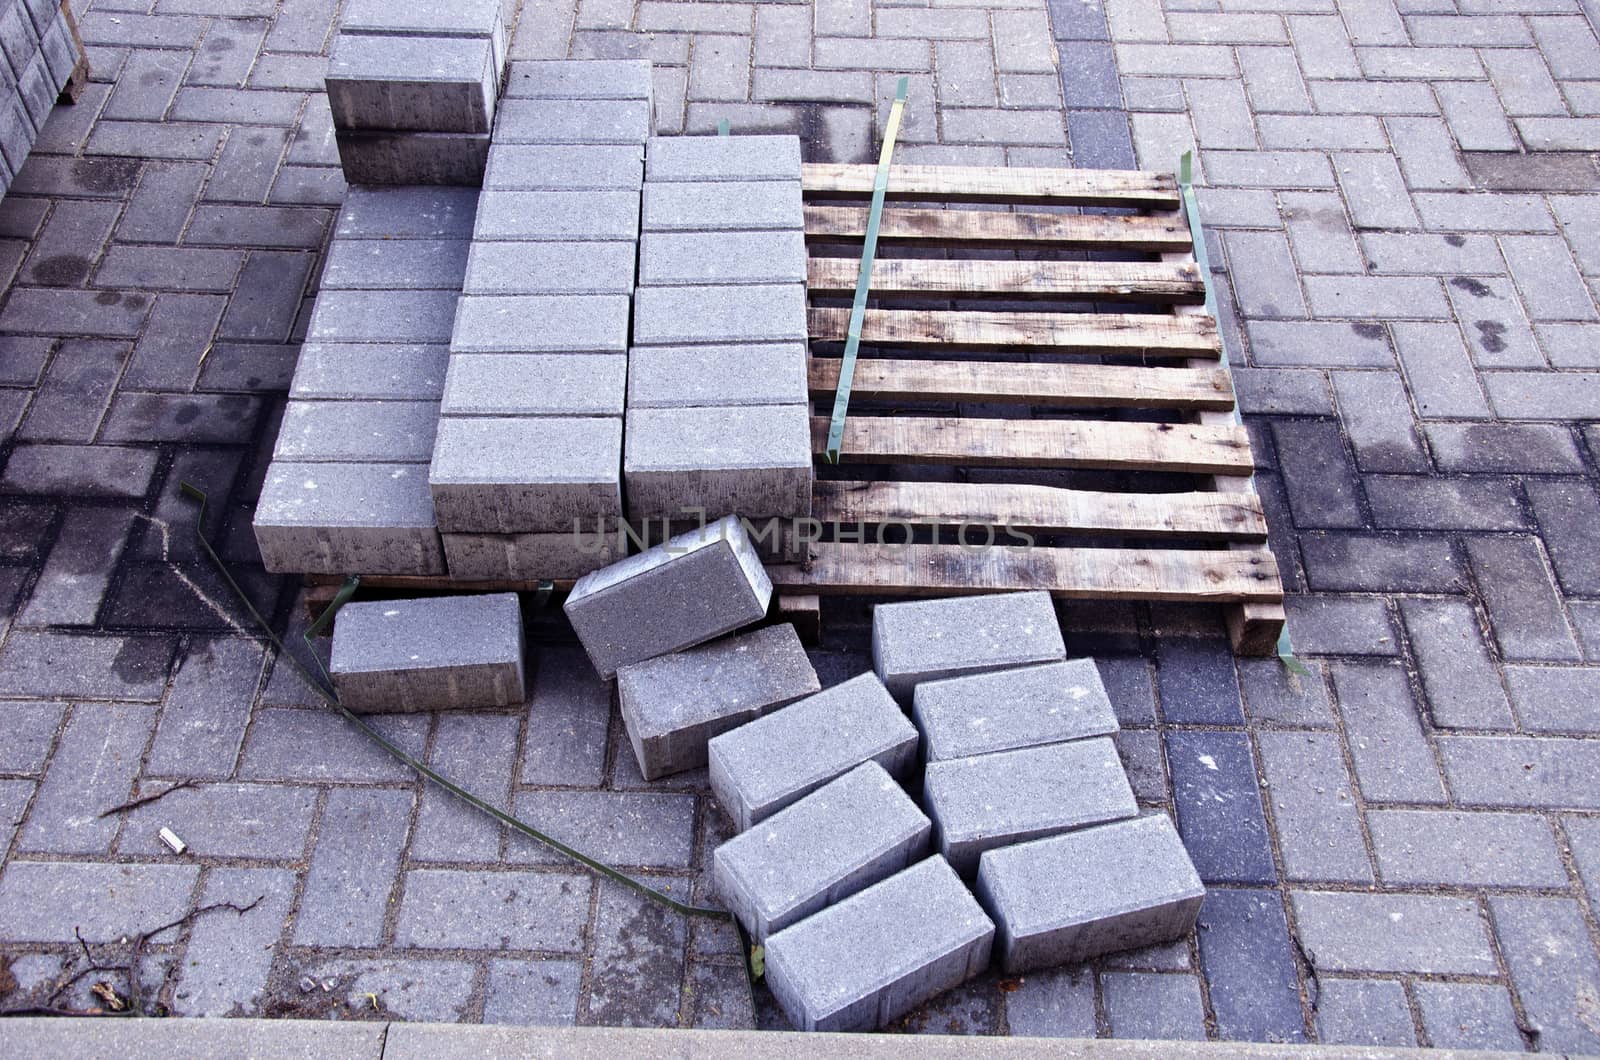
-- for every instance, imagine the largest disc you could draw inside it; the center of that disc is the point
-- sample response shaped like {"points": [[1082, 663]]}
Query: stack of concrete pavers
{"points": [[413, 84], [442, 653], [347, 490], [40, 51], [718, 419], [527, 473]]}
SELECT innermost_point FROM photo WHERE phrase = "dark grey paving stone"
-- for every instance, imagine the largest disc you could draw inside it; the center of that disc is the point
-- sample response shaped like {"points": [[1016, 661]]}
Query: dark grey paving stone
{"points": [[191, 418], [92, 314], [1382, 563], [1569, 518], [1583, 833], [378, 371], [1322, 485], [169, 353], [73, 583], [1341, 625], [477, 751], [230, 955], [1524, 609], [85, 666], [533, 992], [1219, 806], [1128, 684], [45, 901], [451, 909], [1553, 966], [1197, 682], [353, 868], [1554, 698], [264, 306], [276, 747], [14, 796], [1054, 1004], [648, 829], [1275, 694], [570, 710]]}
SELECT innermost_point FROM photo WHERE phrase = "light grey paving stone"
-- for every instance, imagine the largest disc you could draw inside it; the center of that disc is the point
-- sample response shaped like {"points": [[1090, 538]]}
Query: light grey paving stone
{"points": [[845, 836], [515, 384], [341, 518], [383, 264], [573, 121], [1010, 709], [689, 258], [708, 206], [439, 653], [645, 828], [407, 213], [1313, 807], [392, 157], [685, 591], [1551, 957], [709, 376], [229, 956], [92, 769], [768, 764], [527, 323], [673, 316], [722, 158], [503, 476], [928, 640], [533, 556], [383, 316], [579, 79], [354, 867], [1410, 933], [458, 909], [468, 18], [926, 934], [356, 432], [1363, 1012], [44, 901], [719, 461], [673, 704], [1465, 849], [1072, 897], [544, 167], [564, 216], [995, 800], [353, 371], [265, 821], [1468, 1016], [550, 268], [427, 84]]}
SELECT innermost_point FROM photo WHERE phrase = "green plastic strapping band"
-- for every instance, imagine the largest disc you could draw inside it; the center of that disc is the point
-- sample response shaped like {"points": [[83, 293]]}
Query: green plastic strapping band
{"points": [[869, 251], [723, 128], [1191, 210], [324, 689]]}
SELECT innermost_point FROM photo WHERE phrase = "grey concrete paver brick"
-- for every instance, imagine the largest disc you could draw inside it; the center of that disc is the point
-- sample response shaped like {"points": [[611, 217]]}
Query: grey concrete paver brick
{"points": [[262, 821], [92, 770], [1428, 847], [73, 583], [571, 707], [1524, 609], [1454, 664], [1507, 771], [376, 371], [638, 952], [510, 475], [557, 384], [1351, 932], [230, 955], [718, 461], [45, 901], [86, 666], [449, 652], [33, 728], [1313, 804], [1009, 709], [1144, 1005], [357, 432], [914, 642], [1468, 1016], [1553, 698], [1553, 967], [1387, 743], [347, 890], [1364, 1012], [535, 993], [454, 909], [1508, 447], [334, 518], [498, 267]]}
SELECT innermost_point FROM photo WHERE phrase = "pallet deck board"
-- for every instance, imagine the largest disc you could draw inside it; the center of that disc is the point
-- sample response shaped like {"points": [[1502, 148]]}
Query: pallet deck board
{"points": [[1139, 281], [995, 184], [1145, 333], [1028, 383], [990, 229]]}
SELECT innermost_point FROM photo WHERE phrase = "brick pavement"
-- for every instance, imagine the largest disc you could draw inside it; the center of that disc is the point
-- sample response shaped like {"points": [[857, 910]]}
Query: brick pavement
{"points": [[1404, 846]]}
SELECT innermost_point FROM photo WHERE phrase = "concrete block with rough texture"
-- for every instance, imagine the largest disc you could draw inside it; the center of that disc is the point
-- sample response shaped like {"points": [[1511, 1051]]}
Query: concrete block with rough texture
{"points": [[531, 323], [384, 157], [407, 213], [537, 384], [686, 591], [722, 158], [1073, 897], [530, 557], [414, 84], [673, 704], [357, 431], [548, 167], [723, 461], [759, 768], [420, 18], [925, 934], [1007, 709], [572, 121], [439, 653], [348, 371], [346, 518], [550, 268], [564, 216], [708, 376], [995, 800], [686, 258], [681, 316], [928, 640], [383, 316], [579, 79], [845, 836], [404, 264], [497, 475], [772, 205]]}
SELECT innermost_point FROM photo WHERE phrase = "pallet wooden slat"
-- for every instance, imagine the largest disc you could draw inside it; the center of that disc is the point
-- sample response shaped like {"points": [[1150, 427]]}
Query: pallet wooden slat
{"points": [[1097, 573], [1095, 444], [995, 184], [1049, 385], [970, 330], [1099, 281], [1042, 509], [986, 228]]}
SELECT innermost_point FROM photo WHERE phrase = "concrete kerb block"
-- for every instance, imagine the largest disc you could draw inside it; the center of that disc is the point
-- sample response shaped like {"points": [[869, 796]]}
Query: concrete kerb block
{"points": [[722, 158], [760, 768], [845, 836], [414, 84], [499, 475], [686, 591], [927, 640], [1007, 797], [1073, 897], [721, 461], [366, 518], [924, 930], [440, 653], [673, 704], [1004, 710]]}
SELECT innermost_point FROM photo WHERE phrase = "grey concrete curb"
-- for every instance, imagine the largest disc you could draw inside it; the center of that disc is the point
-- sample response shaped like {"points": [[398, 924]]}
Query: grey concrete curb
{"points": [[181, 1039]]}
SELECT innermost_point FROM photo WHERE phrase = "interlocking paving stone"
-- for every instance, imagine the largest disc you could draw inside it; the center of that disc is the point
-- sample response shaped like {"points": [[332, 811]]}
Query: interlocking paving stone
{"points": [[44, 901], [550, 268], [1423, 847], [454, 909], [673, 316], [276, 747], [1219, 806], [718, 461], [709, 376], [353, 868], [1553, 698], [383, 316], [361, 432], [1313, 807], [929, 640], [653, 829], [1245, 952], [1197, 683], [1141, 1005], [1010, 709], [1521, 771], [86, 666], [573, 121], [480, 751], [337, 518], [503, 475], [30, 732], [536, 167], [381, 156], [535, 993], [74, 580], [363, 370], [1392, 933], [440, 653], [688, 258], [638, 948], [1468, 1016], [407, 213], [1364, 1012], [1524, 610], [571, 707], [91, 770], [230, 955], [1386, 740], [509, 384], [431, 84], [1456, 669], [531, 557], [733, 158], [721, 206], [265, 821], [589, 79], [437, 991], [562, 216], [390, 264], [1553, 967]]}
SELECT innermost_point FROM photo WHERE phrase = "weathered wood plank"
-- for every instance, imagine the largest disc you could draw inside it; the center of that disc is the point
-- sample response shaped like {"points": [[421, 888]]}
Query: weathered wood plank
{"points": [[1040, 443], [1098, 281], [1149, 334], [1215, 576], [1051, 385], [996, 184], [1153, 233], [1041, 509]]}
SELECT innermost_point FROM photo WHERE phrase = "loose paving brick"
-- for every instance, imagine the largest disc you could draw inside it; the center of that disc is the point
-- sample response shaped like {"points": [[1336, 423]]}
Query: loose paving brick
{"points": [[713, 258], [588, 79], [456, 652], [847, 835], [684, 592], [674, 704], [356, 371], [994, 800], [815, 740], [573, 121], [431, 84], [537, 167], [931, 640], [930, 932], [532, 557], [1010, 709], [562, 216], [479, 746], [362, 432], [338, 518]]}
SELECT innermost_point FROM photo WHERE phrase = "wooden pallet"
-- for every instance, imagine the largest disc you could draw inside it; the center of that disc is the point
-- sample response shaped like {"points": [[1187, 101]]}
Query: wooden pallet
{"points": [[1060, 372]]}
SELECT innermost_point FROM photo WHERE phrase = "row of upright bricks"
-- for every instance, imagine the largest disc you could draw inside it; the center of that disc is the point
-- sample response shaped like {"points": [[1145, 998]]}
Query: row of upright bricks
{"points": [[493, 382], [38, 53], [868, 900]]}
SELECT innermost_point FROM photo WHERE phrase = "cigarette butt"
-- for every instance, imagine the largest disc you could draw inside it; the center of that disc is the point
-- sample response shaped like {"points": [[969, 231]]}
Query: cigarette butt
{"points": [[176, 845]]}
